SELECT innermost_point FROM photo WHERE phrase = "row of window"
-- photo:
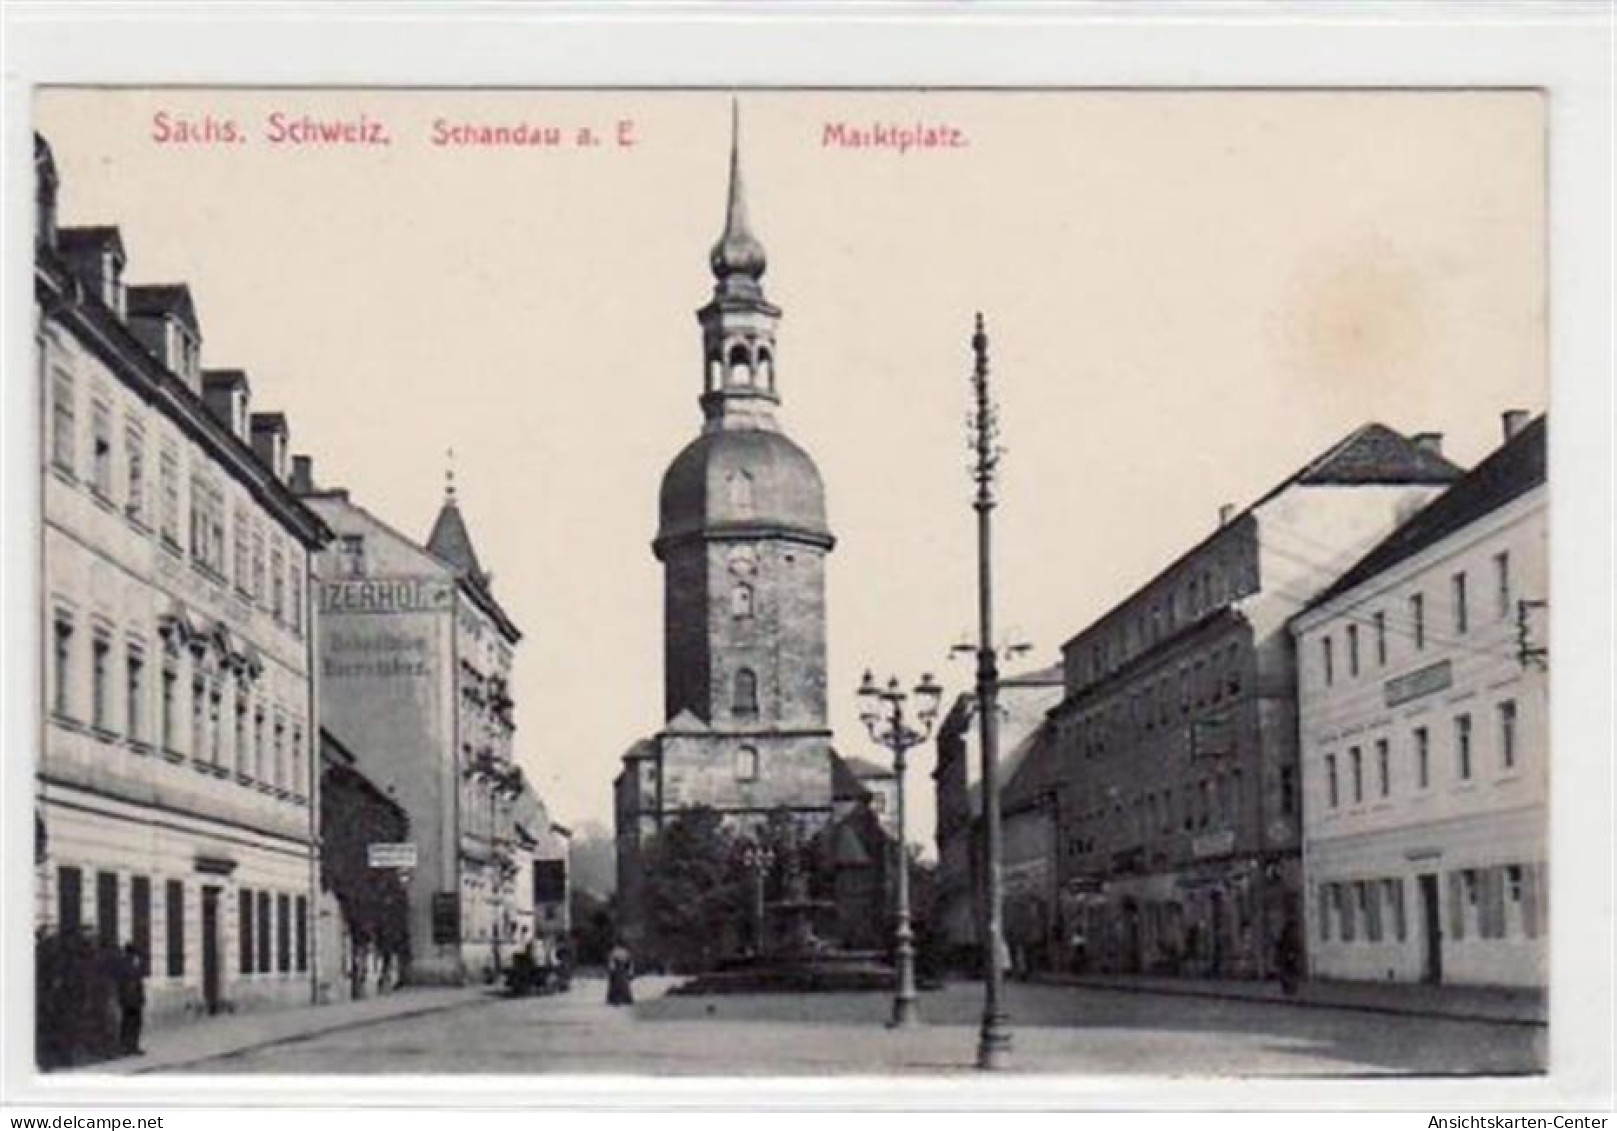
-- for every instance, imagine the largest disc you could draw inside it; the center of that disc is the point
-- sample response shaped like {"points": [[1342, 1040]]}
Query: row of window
{"points": [[1208, 680], [1200, 591], [264, 573], [1350, 779], [1500, 902], [278, 943], [1211, 802], [1364, 640], [260, 744]]}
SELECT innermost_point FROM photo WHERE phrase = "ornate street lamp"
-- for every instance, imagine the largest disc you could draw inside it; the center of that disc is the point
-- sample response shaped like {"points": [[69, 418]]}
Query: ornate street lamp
{"points": [[882, 712], [758, 859]]}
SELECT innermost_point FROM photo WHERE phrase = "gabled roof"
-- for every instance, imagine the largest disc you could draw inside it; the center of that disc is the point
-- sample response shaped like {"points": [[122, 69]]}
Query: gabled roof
{"points": [[686, 722], [845, 784], [1372, 453], [157, 299], [1039, 677], [863, 768], [1513, 469]]}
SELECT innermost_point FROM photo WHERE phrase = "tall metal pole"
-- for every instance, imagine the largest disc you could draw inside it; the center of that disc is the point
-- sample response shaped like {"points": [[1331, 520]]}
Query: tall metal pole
{"points": [[994, 1039], [904, 998]]}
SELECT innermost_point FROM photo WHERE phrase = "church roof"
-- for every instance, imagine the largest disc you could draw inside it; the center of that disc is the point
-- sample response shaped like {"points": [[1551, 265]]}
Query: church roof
{"points": [[743, 480]]}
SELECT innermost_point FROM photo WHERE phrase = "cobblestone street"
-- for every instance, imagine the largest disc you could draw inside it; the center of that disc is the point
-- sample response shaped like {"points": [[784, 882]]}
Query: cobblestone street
{"points": [[1058, 1029]]}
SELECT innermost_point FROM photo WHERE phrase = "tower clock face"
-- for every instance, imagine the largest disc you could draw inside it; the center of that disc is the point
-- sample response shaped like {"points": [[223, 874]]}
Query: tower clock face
{"points": [[742, 561]]}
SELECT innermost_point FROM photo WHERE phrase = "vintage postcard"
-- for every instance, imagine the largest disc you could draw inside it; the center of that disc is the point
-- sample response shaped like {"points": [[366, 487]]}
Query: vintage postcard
{"points": [[791, 582]]}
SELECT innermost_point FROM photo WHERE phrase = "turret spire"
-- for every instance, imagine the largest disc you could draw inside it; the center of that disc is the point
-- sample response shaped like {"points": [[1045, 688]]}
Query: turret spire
{"points": [[738, 259]]}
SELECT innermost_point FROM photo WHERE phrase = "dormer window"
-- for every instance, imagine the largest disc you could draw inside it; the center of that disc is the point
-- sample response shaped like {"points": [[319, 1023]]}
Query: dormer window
{"points": [[112, 283]]}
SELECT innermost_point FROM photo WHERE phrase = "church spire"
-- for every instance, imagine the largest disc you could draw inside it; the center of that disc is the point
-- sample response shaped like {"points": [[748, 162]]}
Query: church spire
{"points": [[738, 323], [738, 259]]}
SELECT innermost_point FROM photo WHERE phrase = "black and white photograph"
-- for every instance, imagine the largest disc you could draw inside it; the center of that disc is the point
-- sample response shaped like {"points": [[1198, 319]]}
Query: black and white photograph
{"points": [[921, 583]]}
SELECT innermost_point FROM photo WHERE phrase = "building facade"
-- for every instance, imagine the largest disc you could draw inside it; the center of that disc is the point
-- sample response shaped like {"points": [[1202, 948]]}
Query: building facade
{"points": [[415, 658], [363, 918], [1425, 726], [177, 785], [1181, 812], [1024, 700], [743, 540]]}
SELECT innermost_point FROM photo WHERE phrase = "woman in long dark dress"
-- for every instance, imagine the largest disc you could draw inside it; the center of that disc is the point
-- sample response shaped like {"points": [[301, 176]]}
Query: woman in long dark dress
{"points": [[619, 976]]}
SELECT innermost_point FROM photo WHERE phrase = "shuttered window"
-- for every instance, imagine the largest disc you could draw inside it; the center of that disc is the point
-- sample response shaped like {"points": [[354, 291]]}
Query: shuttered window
{"points": [[283, 933], [174, 927], [244, 929], [1456, 907], [263, 932], [140, 918]]}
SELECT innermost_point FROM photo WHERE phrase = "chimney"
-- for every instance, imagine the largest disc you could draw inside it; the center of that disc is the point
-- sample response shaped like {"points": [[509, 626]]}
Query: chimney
{"points": [[225, 393], [1514, 420], [1428, 442], [269, 436], [302, 475], [45, 185], [1226, 512]]}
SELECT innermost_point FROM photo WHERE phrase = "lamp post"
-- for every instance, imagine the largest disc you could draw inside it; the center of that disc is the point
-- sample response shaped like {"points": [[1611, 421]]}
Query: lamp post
{"points": [[994, 1039], [758, 859], [882, 712]]}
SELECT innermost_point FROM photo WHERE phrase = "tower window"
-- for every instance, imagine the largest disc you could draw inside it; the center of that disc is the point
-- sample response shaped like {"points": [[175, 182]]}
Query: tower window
{"points": [[739, 486], [741, 601], [740, 365], [746, 692], [747, 764], [766, 370]]}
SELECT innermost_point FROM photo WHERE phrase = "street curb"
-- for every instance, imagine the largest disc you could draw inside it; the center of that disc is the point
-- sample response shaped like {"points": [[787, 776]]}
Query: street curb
{"points": [[302, 1035], [1302, 1003]]}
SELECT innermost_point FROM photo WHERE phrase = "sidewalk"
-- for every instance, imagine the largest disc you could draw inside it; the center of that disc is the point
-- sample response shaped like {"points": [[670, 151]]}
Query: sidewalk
{"points": [[181, 1041], [1468, 1003]]}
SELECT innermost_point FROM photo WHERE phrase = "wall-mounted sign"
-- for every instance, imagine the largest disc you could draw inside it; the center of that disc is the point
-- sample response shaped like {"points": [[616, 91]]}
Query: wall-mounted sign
{"points": [[391, 854], [384, 595], [1422, 681], [1213, 844], [1212, 737]]}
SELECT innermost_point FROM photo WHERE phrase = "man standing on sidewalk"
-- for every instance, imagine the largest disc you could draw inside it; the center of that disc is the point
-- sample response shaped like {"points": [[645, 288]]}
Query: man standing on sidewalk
{"points": [[1288, 957], [131, 983]]}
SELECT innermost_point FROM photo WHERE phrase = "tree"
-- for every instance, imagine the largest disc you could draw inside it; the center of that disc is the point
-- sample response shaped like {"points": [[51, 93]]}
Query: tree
{"points": [[594, 927], [695, 894]]}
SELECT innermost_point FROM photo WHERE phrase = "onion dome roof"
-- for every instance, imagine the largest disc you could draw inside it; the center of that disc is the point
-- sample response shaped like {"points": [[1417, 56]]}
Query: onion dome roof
{"points": [[746, 480]]}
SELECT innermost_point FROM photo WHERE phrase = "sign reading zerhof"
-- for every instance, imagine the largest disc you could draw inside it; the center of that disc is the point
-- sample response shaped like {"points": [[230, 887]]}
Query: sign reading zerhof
{"points": [[386, 854], [385, 595]]}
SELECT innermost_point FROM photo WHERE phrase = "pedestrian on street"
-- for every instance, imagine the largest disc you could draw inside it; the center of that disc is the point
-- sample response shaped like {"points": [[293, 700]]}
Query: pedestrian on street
{"points": [[619, 976], [131, 982], [1288, 958]]}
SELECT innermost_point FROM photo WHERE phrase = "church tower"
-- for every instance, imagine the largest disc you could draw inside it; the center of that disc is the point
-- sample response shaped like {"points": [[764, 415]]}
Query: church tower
{"points": [[743, 539]]}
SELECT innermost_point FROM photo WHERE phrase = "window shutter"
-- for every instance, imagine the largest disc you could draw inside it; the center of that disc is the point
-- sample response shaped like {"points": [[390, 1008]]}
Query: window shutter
{"points": [[1372, 906], [1456, 907], [1496, 900], [1530, 900], [1345, 902], [1324, 912]]}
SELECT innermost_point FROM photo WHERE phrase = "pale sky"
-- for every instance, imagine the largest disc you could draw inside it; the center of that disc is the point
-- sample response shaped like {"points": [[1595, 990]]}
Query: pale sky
{"points": [[1188, 295]]}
